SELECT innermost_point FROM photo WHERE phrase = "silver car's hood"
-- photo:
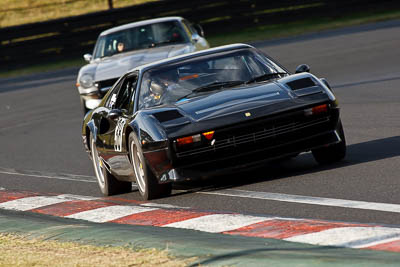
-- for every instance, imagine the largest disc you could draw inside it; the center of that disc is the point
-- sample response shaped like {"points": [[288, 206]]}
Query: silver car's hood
{"points": [[115, 66]]}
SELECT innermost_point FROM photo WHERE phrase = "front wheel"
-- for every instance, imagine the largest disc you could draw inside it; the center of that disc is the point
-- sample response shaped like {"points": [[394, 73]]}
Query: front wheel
{"points": [[147, 183], [108, 184], [332, 153]]}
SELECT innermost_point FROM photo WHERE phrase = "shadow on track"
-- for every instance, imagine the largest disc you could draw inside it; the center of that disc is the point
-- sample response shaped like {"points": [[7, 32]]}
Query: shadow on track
{"points": [[303, 164], [305, 256], [366, 82]]}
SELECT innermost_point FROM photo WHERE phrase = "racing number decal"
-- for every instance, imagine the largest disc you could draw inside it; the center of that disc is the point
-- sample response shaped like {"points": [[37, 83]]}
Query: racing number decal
{"points": [[118, 134], [113, 100]]}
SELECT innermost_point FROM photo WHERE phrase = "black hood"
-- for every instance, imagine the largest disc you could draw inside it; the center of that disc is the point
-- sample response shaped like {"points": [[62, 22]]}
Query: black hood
{"points": [[230, 106], [242, 99]]}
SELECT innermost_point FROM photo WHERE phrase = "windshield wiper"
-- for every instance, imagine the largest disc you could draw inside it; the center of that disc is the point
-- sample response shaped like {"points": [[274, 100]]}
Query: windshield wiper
{"points": [[213, 86], [217, 85], [265, 76], [162, 43]]}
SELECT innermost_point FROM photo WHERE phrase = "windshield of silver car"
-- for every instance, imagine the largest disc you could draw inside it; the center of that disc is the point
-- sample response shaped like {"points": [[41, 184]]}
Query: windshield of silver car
{"points": [[143, 37], [199, 76]]}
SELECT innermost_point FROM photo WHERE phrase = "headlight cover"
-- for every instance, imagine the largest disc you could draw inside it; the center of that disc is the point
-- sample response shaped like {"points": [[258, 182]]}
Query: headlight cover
{"points": [[86, 80]]}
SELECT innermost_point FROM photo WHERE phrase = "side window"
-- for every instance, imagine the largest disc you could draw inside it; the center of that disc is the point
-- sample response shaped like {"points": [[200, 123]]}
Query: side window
{"points": [[124, 97], [121, 97], [144, 93], [188, 28], [112, 97]]}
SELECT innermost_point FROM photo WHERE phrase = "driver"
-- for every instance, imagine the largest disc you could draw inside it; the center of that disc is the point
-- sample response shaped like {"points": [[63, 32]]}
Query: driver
{"points": [[120, 47], [164, 88], [164, 84], [158, 89]]}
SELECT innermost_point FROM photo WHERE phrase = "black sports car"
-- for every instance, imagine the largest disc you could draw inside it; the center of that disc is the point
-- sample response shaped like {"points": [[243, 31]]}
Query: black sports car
{"points": [[205, 113]]}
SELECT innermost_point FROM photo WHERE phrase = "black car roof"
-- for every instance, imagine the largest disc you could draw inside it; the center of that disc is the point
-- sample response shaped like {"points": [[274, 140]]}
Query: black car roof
{"points": [[191, 55]]}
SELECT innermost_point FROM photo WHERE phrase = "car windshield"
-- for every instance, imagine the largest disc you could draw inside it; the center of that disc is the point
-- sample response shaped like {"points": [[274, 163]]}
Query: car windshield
{"points": [[146, 36], [181, 81]]}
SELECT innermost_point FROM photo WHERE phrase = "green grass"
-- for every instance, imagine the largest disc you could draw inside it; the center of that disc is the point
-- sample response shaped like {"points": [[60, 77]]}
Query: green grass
{"points": [[17, 250], [266, 32], [17, 12]]}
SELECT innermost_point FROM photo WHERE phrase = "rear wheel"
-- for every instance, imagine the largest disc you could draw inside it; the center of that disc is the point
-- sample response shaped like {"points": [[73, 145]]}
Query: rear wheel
{"points": [[108, 184], [147, 183], [332, 153]]}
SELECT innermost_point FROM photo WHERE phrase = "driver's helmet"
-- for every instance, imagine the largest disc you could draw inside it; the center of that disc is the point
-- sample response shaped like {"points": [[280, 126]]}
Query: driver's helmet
{"points": [[157, 89]]}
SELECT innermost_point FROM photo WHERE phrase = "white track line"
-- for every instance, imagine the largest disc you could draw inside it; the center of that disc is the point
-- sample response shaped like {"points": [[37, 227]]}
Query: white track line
{"points": [[354, 237], [353, 204], [110, 213], [30, 203], [60, 176], [163, 206], [217, 223]]}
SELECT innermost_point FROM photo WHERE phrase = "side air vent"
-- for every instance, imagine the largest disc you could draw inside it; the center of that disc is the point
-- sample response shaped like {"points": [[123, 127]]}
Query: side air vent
{"points": [[301, 83], [167, 115]]}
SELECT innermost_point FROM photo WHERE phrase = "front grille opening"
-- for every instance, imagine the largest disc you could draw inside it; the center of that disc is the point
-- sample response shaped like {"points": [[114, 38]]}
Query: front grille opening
{"points": [[105, 85], [256, 136]]}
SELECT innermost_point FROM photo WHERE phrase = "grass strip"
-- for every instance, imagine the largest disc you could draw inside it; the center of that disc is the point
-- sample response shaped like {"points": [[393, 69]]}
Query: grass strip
{"points": [[273, 31], [14, 12], [17, 250]]}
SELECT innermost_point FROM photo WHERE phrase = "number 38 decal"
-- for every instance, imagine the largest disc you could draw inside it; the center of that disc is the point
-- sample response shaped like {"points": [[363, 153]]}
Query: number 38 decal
{"points": [[118, 134]]}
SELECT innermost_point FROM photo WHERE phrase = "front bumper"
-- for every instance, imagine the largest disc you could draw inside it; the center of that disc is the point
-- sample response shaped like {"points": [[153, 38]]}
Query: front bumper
{"points": [[90, 97], [247, 150], [255, 158], [91, 101]]}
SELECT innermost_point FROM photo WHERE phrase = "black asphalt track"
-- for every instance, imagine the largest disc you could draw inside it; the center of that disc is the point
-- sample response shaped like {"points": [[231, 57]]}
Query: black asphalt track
{"points": [[41, 119]]}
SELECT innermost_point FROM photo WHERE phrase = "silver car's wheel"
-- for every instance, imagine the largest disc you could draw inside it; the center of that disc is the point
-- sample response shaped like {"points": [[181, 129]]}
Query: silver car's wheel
{"points": [[148, 185], [108, 184]]}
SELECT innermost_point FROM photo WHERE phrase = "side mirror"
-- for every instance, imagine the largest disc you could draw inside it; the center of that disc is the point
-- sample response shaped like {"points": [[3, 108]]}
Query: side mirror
{"points": [[199, 29], [195, 38], [302, 68], [87, 57], [114, 114]]}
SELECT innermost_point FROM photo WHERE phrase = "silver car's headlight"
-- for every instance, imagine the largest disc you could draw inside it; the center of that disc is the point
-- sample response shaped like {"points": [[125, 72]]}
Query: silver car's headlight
{"points": [[86, 80]]}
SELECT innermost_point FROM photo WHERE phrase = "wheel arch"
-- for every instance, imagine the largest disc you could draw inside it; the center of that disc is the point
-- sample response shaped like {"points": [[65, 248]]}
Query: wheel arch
{"points": [[90, 129], [131, 128]]}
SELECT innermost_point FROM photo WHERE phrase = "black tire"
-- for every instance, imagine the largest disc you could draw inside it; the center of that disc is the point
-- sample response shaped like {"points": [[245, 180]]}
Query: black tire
{"points": [[108, 184], [147, 183], [287, 157], [332, 153]]}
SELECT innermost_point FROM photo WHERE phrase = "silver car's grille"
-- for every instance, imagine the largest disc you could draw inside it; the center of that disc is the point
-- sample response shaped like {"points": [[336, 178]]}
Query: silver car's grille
{"points": [[105, 85]]}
